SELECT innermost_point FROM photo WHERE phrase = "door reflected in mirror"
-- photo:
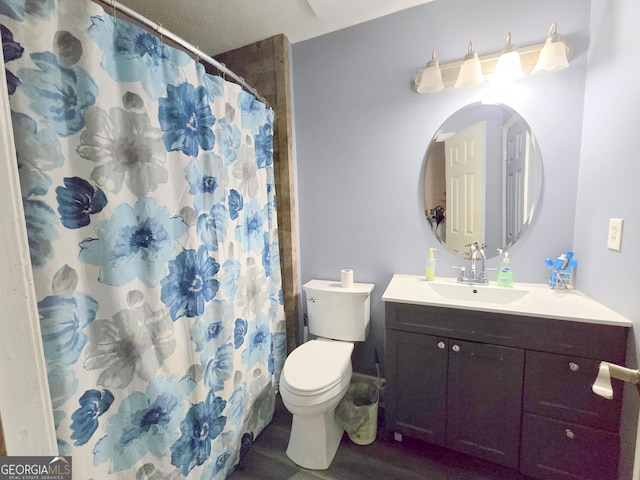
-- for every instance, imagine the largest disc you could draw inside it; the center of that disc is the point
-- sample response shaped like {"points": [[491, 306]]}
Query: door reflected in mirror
{"points": [[482, 179]]}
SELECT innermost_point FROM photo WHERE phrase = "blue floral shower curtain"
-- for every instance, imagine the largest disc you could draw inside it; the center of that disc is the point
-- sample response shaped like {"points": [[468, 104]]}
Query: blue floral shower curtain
{"points": [[149, 197]]}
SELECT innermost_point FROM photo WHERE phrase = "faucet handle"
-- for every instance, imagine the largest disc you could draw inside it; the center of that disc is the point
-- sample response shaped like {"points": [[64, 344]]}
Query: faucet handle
{"points": [[462, 278], [462, 270]]}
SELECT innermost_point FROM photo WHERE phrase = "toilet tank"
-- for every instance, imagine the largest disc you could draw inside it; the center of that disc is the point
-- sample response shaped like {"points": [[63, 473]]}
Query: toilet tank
{"points": [[337, 312]]}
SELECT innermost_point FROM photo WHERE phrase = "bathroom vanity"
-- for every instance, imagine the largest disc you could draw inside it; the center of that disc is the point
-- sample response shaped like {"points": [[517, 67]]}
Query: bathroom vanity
{"points": [[504, 374]]}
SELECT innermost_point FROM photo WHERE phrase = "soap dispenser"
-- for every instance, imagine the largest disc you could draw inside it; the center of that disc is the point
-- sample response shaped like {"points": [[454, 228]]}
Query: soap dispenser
{"points": [[505, 275], [431, 265]]}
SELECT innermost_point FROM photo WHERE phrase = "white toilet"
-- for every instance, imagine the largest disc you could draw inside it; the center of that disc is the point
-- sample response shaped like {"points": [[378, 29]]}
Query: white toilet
{"points": [[316, 375]]}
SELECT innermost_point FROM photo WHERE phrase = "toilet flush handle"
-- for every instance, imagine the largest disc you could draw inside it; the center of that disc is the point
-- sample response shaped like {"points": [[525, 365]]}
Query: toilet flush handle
{"points": [[311, 299]]}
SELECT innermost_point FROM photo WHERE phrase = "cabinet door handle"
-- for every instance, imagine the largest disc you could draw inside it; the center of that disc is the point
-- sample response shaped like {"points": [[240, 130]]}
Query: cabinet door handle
{"points": [[570, 434], [456, 348], [574, 367], [441, 345]]}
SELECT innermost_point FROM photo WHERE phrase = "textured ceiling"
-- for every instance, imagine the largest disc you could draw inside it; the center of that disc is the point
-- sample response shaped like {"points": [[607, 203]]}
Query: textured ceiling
{"points": [[216, 26]]}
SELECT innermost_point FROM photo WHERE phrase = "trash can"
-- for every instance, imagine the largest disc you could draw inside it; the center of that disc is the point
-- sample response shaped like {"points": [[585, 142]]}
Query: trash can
{"points": [[358, 412]]}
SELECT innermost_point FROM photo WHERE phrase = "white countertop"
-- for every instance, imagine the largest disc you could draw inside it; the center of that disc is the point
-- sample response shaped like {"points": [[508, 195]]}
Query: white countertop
{"points": [[539, 301]]}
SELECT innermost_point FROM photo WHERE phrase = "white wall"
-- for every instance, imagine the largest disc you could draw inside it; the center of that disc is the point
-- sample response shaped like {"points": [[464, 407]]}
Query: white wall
{"points": [[608, 185], [362, 134]]}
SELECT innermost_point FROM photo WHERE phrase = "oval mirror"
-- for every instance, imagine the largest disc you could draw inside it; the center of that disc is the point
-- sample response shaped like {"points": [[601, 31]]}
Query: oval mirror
{"points": [[482, 179]]}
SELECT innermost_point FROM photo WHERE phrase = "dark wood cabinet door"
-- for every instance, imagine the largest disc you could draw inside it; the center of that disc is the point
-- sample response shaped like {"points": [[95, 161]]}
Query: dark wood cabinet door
{"points": [[484, 402], [417, 385]]}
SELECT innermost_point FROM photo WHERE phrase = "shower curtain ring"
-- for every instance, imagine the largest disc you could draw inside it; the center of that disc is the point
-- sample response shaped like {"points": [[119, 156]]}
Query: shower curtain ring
{"points": [[160, 31]]}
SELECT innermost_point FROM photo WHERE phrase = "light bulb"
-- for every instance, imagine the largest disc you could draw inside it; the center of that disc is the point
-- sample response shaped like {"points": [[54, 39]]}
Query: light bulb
{"points": [[509, 66], [470, 70], [431, 79], [554, 53]]}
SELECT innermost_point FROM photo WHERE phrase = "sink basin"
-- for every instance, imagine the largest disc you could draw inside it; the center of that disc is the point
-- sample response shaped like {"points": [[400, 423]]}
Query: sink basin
{"points": [[526, 299], [478, 293]]}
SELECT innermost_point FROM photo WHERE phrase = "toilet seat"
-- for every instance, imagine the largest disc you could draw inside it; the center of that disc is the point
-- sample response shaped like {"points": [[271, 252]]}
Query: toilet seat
{"points": [[317, 366]]}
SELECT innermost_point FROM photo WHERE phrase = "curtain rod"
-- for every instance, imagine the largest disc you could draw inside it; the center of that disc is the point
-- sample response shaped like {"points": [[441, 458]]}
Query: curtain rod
{"points": [[164, 33]]}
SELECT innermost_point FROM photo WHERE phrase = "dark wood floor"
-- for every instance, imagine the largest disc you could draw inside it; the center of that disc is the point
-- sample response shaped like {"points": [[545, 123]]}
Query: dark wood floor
{"points": [[383, 459]]}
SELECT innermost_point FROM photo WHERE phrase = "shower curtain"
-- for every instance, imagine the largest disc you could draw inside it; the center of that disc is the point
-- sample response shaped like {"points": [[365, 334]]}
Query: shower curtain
{"points": [[148, 191]]}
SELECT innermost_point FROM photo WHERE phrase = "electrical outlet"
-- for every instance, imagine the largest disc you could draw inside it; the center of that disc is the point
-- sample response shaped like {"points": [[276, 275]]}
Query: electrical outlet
{"points": [[614, 241]]}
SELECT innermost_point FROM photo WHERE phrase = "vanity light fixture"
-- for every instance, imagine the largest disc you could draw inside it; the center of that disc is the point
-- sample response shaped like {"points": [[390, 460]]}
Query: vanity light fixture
{"points": [[509, 66], [470, 70], [553, 54], [430, 77]]}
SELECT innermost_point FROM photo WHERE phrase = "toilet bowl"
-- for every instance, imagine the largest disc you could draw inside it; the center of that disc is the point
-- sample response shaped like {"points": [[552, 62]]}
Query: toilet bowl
{"points": [[316, 375], [314, 379]]}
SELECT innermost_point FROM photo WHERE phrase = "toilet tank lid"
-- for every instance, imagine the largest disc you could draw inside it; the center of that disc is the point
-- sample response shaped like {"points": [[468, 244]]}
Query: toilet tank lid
{"points": [[317, 364], [336, 286]]}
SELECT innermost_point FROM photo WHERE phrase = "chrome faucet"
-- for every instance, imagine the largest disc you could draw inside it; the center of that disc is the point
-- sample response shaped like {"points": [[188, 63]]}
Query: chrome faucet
{"points": [[476, 275], [473, 248]]}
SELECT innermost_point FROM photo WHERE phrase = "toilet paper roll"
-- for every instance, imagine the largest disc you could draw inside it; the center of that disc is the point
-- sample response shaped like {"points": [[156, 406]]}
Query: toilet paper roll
{"points": [[346, 275]]}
